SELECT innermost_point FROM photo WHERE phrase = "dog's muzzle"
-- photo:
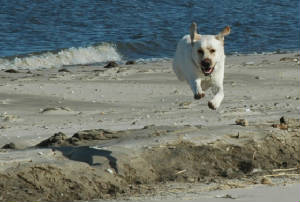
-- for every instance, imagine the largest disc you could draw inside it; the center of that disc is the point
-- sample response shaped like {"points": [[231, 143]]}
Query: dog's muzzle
{"points": [[206, 67]]}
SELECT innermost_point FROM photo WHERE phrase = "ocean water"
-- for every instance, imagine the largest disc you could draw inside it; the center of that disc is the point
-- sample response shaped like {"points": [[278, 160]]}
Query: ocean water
{"points": [[54, 33]]}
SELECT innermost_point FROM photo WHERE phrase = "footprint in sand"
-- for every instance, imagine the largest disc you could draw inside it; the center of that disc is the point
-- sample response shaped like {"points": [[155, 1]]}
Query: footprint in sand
{"points": [[57, 110]]}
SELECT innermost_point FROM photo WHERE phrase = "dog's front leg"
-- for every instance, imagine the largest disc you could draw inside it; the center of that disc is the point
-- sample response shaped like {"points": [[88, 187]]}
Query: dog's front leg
{"points": [[218, 98], [196, 88]]}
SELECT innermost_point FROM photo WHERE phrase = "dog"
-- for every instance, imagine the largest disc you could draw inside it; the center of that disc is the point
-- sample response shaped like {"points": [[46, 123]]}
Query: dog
{"points": [[199, 60]]}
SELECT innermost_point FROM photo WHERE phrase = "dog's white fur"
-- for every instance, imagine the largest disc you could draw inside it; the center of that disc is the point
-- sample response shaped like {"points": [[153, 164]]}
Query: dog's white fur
{"points": [[200, 60]]}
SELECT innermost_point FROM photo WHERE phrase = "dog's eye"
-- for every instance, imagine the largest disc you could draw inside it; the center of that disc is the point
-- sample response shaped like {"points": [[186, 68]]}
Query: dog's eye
{"points": [[212, 50], [200, 51]]}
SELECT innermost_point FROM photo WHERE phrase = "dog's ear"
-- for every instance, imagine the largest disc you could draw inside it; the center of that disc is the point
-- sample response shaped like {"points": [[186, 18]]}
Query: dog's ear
{"points": [[193, 33], [225, 32]]}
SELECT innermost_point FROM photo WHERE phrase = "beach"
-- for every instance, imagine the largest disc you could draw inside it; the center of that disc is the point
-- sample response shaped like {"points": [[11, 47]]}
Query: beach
{"points": [[134, 132]]}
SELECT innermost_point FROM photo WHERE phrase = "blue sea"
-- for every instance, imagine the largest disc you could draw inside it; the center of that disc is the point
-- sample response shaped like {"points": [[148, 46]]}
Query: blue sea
{"points": [[54, 33]]}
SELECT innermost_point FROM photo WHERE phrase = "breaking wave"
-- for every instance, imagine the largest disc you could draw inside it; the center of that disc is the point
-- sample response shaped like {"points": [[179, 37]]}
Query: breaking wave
{"points": [[71, 56]]}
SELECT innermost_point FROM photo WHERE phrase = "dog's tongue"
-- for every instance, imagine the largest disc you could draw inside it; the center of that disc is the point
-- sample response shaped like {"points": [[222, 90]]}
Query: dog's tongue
{"points": [[209, 71]]}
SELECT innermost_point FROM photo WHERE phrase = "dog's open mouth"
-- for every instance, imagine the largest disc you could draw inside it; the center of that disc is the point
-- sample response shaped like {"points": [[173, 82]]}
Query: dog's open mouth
{"points": [[207, 71]]}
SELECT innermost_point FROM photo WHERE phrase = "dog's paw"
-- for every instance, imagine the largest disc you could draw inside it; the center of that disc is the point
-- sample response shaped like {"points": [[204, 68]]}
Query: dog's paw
{"points": [[211, 105], [199, 96]]}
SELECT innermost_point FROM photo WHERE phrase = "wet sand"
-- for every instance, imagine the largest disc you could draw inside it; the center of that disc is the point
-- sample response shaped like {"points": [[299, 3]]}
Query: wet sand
{"points": [[134, 131]]}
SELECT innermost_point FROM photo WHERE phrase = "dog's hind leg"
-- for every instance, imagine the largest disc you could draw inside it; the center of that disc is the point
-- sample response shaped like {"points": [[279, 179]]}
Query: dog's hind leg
{"points": [[218, 98], [205, 84], [217, 88], [178, 72]]}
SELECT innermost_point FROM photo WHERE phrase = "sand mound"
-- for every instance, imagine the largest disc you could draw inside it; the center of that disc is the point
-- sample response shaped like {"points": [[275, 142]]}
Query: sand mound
{"points": [[89, 172], [85, 137]]}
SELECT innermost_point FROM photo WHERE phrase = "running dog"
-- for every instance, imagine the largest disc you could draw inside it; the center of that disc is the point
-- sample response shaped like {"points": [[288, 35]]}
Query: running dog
{"points": [[199, 60]]}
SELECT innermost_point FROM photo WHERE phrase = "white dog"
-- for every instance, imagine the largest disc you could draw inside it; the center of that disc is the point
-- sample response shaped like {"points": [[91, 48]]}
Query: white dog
{"points": [[200, 60]]}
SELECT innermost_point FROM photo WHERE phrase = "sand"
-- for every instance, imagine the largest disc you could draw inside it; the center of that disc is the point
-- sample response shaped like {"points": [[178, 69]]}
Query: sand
{"points": [[135, 132]]}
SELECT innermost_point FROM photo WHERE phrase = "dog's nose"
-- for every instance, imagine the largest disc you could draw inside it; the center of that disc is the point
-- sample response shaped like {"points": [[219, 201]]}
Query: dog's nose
{"points": [[205, 63]]}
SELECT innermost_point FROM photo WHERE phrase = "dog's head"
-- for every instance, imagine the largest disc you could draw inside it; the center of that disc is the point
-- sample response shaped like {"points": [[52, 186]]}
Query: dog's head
{"points": [[207, 50]]}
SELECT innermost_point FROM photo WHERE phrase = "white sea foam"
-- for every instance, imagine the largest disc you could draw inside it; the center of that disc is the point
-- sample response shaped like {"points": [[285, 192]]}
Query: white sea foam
{"points": [[149, 60], [72, 56]]}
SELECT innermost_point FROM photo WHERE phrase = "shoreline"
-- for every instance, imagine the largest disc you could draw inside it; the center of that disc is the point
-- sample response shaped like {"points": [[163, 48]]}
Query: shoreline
{"points": [[121, 61], [143, 108]]}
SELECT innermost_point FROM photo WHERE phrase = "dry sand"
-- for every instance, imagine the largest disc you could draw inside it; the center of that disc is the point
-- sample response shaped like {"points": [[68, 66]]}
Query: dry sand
{"points": [[135, 132]]}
